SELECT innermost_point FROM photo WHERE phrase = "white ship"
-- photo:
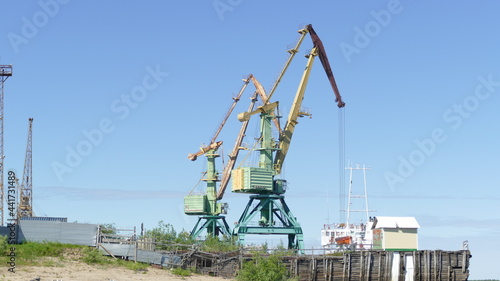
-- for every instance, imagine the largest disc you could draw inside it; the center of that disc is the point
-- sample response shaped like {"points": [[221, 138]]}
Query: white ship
{"points": [[348, 235]]}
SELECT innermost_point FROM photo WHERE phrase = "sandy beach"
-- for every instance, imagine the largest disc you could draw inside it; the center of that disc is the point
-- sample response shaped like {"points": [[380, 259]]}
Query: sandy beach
{"points": [[79, 271]]}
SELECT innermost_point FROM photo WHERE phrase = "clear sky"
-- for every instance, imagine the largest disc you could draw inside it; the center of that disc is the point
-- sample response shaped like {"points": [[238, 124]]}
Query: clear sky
{"points": [[122, 91]]}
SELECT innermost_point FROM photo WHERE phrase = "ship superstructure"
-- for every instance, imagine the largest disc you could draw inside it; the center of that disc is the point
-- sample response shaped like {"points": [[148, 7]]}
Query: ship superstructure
{"points": [[353, 234]]}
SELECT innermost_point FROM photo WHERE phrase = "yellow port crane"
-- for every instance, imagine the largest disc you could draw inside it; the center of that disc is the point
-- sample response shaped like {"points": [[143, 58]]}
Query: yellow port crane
{"points": [[268, 205], [206, 205], [286, 135]]}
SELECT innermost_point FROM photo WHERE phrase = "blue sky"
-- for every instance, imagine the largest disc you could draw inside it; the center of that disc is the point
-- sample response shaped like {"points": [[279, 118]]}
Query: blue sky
{"points": [[121, 93]]}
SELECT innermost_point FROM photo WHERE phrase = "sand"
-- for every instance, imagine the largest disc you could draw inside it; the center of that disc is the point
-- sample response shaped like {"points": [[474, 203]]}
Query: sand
{"points": [[69, 270]]}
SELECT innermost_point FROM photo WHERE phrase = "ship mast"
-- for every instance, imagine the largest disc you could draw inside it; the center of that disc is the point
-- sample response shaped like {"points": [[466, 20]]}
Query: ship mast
{"points": [[352, 196]]}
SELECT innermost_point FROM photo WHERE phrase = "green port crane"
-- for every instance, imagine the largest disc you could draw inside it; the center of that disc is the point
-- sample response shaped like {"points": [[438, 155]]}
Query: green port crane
{"points": [[268, 205], [207, 205]]}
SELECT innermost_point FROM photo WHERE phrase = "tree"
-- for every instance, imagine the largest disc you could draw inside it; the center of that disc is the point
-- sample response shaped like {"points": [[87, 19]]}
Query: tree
{"points": [[108, 228], [164, 233]]}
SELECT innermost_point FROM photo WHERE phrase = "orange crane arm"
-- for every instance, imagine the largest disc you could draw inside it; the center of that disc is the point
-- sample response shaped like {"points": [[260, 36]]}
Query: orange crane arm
{"points": [[265, 99], [245, 118], [226, 174], [203, 150]]}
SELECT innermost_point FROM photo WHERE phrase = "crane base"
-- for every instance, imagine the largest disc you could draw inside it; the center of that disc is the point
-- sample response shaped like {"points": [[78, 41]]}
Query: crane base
{"points": [[214, 225], [275, 219]]}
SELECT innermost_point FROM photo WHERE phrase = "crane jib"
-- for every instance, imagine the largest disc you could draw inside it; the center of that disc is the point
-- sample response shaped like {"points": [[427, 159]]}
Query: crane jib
{"points": [[326, 64]]}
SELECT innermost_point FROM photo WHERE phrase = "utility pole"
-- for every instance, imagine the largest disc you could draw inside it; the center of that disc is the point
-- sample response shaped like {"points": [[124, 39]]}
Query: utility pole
{"points": [[5, 72]]}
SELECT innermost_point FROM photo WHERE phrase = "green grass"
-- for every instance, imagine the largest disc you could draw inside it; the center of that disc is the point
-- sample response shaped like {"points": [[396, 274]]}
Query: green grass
{"points": [[51, 254], [94, 256], [32, 253], [181, 272]]}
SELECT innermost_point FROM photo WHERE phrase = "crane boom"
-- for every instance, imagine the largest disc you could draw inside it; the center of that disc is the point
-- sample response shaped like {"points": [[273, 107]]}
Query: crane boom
{"points": [[303, 32], [265, 98], [203, 150], [236, 99], [245, 116], [326, 64], [226, 174], [286, 136]]}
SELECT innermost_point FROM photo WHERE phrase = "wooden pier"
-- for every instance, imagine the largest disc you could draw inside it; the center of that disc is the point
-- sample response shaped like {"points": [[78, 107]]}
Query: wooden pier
{"points": [[423, 265]]}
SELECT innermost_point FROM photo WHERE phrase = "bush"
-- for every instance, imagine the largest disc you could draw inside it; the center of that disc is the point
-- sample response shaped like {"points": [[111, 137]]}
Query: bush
{"points": [[165, 234], [216, 245], [93, 256], [259, 268], [4, 245], [181, 272]]}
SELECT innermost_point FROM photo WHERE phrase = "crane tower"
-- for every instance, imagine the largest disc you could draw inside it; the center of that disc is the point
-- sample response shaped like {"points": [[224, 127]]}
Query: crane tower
{"points": [[25, 208], [5, 73]]}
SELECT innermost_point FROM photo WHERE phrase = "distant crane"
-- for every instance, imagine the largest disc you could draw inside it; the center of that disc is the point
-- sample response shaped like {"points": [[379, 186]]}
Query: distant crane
{"points": [[5, 72], [25, 208], [268, 204]]}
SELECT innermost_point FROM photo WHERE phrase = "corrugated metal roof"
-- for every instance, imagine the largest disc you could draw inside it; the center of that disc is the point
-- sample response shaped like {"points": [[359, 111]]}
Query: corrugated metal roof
{"points": [[45, 219], [395, 222]]}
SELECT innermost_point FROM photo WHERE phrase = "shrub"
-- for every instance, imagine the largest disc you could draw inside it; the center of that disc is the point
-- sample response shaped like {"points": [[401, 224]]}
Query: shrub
{"points": [[164, 233], [4, 245], [136, 266], [93, 256], [259, 268], [181, 271], [216, 245]]}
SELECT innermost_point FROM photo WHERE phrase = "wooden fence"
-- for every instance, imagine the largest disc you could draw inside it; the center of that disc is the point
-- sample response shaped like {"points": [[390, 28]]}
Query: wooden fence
{"points": [[363, 265]]}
